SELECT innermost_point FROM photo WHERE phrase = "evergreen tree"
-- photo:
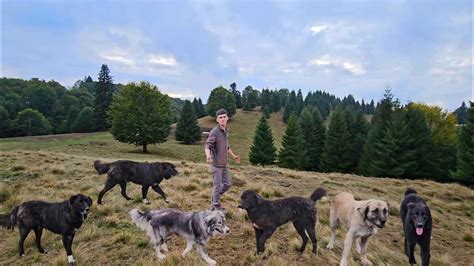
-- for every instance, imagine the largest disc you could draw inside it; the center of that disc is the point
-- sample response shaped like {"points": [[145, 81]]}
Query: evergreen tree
{"points": [[266, 112], [290, 107], [187, 129], [393, 154], [465, 166], [421, 144], [275, 102], [84, 121], [263, 149], [314, 134], [30, 122], [249, 98], [358, 132], [237, 96], [461, 113], [293, 152], [103, 98], [336, 154], [140, 114], [5, 123], [265, 98], [198, 108], [221, 98], [299, 102], [383, 115]]}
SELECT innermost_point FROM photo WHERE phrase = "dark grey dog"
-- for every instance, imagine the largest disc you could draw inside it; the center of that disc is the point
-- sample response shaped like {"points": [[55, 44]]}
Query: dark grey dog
{"points": [[267, 215], [62, 218], [145, 174], [194, 227], [417, 225]]}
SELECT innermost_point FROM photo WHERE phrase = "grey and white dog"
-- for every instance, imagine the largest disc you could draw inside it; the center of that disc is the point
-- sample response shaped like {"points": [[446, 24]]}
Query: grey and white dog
{"points": [[195, 227]]}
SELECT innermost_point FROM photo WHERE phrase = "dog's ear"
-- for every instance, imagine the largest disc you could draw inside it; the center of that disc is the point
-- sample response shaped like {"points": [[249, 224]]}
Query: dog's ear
{"points": [[363, 210], [258, 199], [90, 200], [73, 199]]}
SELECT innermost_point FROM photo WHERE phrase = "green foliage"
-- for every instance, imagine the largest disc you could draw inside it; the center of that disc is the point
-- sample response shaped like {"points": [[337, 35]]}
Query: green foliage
{"points": [[199, 108], [140, 114], [187, 129], [314, 134], [461, 113], [290, 107], [103, 98], [250, 98], [336, 154], [266, 112], [5, 123], [221, 98], [293, 152], [237, 96], [30, 122], [393, 154], [84, 121], [465, 166], [358, 133], [263, 149]]}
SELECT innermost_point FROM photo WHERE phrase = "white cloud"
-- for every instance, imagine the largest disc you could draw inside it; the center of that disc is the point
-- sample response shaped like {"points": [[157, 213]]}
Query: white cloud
{"points": [[355, 69], [317, 29], [162, 60], [119, 59], [352, 67]]}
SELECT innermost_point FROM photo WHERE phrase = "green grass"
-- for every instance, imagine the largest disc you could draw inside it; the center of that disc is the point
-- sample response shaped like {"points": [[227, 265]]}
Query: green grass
{"points": [[53, 168]]}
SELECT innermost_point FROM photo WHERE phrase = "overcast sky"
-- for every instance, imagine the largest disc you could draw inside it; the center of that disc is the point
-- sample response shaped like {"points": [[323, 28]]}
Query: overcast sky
{"points": [[421, 49]]}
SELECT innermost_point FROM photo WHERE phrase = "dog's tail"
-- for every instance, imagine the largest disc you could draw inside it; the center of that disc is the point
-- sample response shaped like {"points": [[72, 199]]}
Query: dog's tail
{"points": [[318, 194], [140, 219], [9, 220], [101, 168], [409, 191]]}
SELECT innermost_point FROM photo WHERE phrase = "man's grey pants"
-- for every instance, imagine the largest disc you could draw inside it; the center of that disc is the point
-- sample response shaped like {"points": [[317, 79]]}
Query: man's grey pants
{"points": [[222, 183]]}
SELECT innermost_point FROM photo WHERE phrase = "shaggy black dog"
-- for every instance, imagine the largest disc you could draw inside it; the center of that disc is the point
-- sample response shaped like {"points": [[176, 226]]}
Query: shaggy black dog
{"points": [[267, 215], [417, 225], [62, 218], [145, 174]]}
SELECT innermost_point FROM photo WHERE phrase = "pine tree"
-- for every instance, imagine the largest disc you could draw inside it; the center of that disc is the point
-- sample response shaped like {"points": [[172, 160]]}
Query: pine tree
{"points": [[198, 108], [187, 129], [421, 144], [299, 102], [237, 96], [336, 154], [103, 98], [461, 113], [293, 152], [290, 107], [263, 149], [380, 120], [314, 134], [465, 166], [276, 104], [393, 154], [266, 112]]}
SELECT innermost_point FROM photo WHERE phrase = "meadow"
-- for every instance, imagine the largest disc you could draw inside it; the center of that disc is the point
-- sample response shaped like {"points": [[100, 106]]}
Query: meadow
{"points": [[52, 168]]}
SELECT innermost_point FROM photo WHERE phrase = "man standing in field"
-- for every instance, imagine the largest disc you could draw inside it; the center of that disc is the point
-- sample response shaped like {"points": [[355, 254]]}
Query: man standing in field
{"points": [[216, 149]]}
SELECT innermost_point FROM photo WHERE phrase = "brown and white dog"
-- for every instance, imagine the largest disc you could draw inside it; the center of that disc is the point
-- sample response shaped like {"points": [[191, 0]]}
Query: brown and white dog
{"points": [[362, 219]]}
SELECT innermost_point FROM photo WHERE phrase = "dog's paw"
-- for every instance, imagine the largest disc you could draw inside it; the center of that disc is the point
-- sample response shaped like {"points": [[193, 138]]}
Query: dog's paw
{"points": [[146, 201], [22, 254], [161, 256], [167, 201], [330, 246], [212, 262], [43, 251], [366, 262]]}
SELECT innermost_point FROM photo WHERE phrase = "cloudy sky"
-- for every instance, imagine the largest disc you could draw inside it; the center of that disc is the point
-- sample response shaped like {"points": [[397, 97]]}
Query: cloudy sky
{"points": [[421, 49]]}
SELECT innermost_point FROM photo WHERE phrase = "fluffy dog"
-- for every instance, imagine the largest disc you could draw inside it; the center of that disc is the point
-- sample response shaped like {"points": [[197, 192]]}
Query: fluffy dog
{"points": [[145, 174], [362, 219], [62, 218], [194, 227], [267, 215], [417, 225]]}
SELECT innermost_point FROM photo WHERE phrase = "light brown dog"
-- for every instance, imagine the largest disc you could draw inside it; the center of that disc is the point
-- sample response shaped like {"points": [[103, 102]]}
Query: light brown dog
{"points": [[361, 219]]}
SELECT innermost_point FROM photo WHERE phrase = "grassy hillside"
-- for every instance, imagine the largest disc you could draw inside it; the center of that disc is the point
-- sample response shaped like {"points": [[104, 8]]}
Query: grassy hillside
{"points": [[54, 168]]}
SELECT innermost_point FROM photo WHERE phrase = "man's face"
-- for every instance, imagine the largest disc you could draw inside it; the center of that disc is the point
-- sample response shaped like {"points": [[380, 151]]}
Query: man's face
{"points": [[222, 120]]}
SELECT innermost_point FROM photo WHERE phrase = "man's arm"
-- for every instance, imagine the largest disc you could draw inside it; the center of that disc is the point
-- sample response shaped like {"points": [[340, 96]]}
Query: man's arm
{"points": [[211, 139], [234, 156]]}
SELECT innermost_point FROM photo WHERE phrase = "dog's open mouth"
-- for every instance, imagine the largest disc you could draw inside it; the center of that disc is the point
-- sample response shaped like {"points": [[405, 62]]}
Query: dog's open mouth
{"points": [[419, 231]]}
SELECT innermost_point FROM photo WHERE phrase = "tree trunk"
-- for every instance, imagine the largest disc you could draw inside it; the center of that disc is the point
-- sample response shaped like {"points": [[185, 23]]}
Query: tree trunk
{"points": [[144, 148]]}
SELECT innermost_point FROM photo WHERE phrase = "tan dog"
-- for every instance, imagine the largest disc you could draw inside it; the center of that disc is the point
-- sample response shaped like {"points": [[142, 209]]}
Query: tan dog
{"points": [[361, 219]]}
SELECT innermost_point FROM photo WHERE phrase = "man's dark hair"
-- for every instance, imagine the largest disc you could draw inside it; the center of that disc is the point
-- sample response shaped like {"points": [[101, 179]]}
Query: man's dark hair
{"points": [[221, 112]]}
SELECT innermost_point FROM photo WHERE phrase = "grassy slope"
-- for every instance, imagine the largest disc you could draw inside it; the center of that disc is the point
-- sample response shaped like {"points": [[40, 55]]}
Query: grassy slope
{"points": [[54, 168]]}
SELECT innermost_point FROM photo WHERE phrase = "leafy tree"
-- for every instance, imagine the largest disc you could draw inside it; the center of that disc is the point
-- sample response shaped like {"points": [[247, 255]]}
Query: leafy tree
{"points": [[314, 134], [237, 96], [103, 98], [30, 122], [140, 114], [187, 129], [293, 152], [221, 98], [336, 154], [263, 149], [84, 121], [250, 98], [465, 166]]}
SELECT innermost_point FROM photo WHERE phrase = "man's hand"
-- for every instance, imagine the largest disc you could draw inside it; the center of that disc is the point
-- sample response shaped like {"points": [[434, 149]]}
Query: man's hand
{"points": [[236, 158], [209, 160]]}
